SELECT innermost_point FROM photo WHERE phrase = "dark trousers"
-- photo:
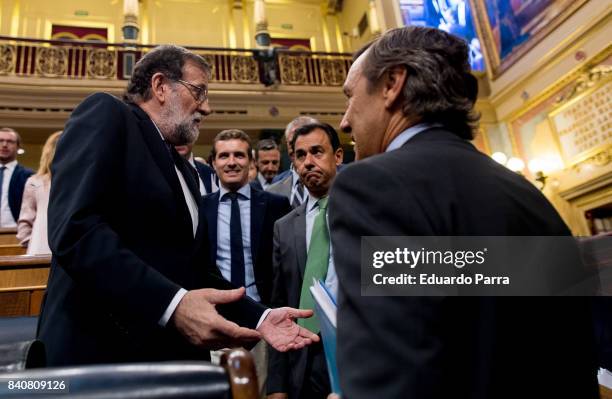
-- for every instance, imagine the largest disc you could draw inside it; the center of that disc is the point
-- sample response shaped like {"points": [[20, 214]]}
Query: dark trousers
{"points": [[316, 379]]}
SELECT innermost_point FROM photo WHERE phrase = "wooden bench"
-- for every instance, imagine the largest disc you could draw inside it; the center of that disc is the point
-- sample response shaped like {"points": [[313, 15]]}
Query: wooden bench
{"points": [[23, 280], [8, 236]]}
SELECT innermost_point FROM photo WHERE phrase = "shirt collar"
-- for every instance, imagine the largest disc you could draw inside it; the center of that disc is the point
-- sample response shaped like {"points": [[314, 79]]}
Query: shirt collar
{"points": [[312, 203], [295, 176], [244, 191], [11, 165], [409, 133]]}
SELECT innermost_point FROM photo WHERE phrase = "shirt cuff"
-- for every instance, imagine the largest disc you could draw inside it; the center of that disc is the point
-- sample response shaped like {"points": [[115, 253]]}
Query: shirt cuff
{"points": [[263, 317], [172, 307]]}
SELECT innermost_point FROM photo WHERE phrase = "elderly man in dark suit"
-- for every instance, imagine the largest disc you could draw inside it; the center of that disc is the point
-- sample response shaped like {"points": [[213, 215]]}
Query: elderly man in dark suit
{"points": [[130, 277], [298, 257], [12, 177], [411, 113]]}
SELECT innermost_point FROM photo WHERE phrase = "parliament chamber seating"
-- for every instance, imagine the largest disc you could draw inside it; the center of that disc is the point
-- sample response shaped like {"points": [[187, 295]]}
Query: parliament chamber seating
{"points": [[23, 280], [234, 379]]}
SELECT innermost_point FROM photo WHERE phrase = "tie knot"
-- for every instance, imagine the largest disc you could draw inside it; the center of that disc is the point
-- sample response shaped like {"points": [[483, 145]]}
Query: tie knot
{"points": [[233, 196], [323, 202]]}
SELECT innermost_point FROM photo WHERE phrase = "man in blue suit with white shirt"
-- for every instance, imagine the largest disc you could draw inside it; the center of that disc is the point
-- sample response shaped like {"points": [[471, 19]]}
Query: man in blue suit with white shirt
{"points": [[240, 218]]}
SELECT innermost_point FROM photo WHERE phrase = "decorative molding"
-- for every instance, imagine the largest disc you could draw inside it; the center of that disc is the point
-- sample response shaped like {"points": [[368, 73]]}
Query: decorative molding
{"points": [[585, 81]]}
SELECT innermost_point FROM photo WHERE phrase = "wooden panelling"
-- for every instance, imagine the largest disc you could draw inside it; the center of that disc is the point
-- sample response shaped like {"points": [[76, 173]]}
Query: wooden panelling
{"points": [[12, 249], [23, 280], [8, 236], [15, 303]]}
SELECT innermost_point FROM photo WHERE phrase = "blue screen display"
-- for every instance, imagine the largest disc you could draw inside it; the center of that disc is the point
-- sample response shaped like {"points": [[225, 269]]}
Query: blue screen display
{"points": [[453, 16]]}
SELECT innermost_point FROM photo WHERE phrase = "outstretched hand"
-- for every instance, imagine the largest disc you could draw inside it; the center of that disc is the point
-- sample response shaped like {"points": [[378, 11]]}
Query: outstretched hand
{"points": [[197, 319], [280, 330]]}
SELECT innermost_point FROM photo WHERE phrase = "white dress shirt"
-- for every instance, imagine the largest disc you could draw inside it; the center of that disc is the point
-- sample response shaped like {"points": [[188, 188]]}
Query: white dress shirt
{"points": [[6, 217], [295, 178], [224, 248]]}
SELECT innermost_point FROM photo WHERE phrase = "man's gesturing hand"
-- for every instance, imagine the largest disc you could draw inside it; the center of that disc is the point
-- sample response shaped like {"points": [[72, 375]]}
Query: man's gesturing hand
{"points": [[196, 318], [280, 331]]}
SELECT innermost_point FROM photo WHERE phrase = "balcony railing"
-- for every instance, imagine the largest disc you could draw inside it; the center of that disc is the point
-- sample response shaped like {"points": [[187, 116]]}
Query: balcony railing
{"points": [[66, 59]]}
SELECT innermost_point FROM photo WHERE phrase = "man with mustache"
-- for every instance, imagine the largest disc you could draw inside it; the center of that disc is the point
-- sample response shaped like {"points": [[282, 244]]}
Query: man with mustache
{"points": [[302, 251], [130, 277]]}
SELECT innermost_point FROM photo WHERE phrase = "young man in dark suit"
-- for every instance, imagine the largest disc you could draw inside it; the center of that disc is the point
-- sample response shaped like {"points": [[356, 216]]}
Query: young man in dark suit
{"points": [[317, 153], [258, 210], [240, 219], [410, 111], [130, 277], [12, 177]]}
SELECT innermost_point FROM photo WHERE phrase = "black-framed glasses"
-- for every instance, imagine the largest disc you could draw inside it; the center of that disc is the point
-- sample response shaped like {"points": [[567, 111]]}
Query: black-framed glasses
{"points": [[201, 93]]}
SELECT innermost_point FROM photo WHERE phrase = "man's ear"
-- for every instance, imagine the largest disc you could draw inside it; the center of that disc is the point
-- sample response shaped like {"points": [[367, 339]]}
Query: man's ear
{"points": [[339, 155], [158, 89], [393, 82]]}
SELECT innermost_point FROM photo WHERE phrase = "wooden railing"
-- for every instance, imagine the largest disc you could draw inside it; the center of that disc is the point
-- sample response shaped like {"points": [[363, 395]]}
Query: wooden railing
{"points": [[69, 59]]}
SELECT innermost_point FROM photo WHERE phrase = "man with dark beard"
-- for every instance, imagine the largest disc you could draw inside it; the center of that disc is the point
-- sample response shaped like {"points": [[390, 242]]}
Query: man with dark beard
{"points": [[130, 278]]}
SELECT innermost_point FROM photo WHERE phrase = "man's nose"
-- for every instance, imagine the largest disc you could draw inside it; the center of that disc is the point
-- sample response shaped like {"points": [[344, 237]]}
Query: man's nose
{"points": [[204, 108], [345, 125]]}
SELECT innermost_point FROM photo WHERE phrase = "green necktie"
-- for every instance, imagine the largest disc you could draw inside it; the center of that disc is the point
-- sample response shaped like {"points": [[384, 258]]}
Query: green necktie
{"points": [[316, 264]]}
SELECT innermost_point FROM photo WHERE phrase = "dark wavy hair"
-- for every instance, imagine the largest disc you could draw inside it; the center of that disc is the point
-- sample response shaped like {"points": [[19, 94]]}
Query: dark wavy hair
{"points": [[167, 59], [440, 87]]}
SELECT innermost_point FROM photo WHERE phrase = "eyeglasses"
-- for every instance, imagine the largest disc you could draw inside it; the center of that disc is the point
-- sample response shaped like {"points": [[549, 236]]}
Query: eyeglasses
{"points": [[201, 93]]}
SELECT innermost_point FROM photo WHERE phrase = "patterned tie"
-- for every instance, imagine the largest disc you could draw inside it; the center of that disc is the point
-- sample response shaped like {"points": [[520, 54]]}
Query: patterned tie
{"points": [[316, 264], [298, 197], [237, 250]]}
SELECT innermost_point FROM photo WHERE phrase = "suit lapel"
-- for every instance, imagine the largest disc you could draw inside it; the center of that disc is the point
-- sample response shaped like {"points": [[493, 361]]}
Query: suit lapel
{"points": [[299, 234], [258, 212], [163, 159], [211, 208], [288, 185]]}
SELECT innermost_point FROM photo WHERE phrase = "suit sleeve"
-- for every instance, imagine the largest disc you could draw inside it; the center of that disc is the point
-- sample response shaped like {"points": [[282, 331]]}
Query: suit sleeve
{"points": [[86, 188], [396, 337], [277, 363]]}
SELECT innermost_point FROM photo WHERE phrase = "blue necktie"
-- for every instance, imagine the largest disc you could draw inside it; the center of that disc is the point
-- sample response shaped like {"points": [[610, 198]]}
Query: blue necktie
{"points": [[237, 250]]}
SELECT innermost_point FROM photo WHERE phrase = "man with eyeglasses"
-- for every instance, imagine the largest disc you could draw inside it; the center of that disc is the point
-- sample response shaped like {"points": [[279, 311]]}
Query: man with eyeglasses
{"points": [[130, 277], [12, 177]]}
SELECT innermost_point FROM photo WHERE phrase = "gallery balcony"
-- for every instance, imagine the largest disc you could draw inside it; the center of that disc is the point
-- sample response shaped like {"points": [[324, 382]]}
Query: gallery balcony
{"points": [[41, 81]]}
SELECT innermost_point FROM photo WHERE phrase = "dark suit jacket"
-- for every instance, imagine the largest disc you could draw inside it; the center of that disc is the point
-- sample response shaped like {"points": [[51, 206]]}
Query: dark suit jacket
{"points": [[266, 209], [287, 371], [16, 186], [256, 185], [206, 174], [435, 347], [122, 242]]}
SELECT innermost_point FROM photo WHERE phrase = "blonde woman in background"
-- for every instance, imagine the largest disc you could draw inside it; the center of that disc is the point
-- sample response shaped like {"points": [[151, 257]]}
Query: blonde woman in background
{"points": [[32, 223]]}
